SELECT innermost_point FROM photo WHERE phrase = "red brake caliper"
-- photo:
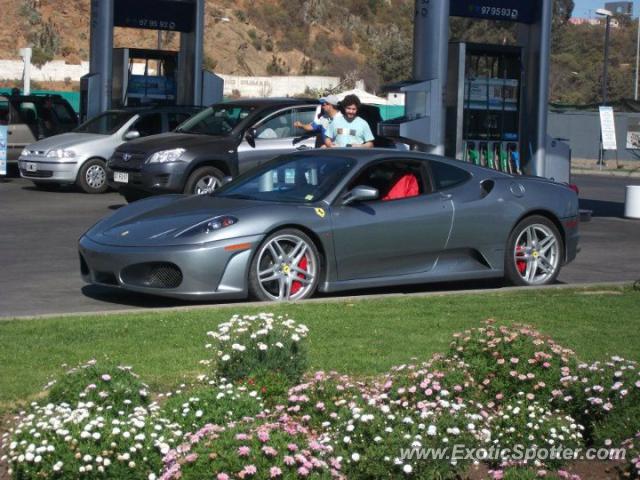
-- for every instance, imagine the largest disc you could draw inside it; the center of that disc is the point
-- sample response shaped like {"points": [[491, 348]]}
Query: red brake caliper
{"points": [[296, 286], [521, 265]]}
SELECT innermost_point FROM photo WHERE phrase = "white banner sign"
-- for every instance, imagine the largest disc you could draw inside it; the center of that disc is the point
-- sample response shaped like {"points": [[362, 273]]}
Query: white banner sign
{"points": [[3, 149], [608, 128]]}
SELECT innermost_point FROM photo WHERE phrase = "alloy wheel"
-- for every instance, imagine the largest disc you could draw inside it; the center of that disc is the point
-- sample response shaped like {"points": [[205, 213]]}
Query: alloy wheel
{"points": [[537, 254], [286, 268], [206, 184]]}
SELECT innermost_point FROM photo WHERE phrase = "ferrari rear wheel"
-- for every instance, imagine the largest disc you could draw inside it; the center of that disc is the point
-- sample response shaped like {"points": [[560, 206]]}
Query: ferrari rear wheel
{"points": [[285, 267], [534, 252]]}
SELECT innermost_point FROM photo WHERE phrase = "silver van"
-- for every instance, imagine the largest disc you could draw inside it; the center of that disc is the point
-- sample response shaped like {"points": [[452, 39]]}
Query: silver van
{"points": [[79, 157]]}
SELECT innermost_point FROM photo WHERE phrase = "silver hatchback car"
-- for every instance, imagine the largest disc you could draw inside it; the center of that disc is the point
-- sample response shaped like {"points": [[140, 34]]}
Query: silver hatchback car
{"points": [[79, 157]]}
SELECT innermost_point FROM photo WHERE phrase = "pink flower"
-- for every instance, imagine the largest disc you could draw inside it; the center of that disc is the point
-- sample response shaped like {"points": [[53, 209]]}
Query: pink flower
{"points": [[223, 476], [241, 436], [428, 392], [320, 406], [289, 460], [514, 360], [106, 377], [501, 361], [192, 457], [292, 447], [263, 436], [275, 472], [542, 473], [546, 364], [499, 396], [243, 451], [269, 451], [249, 470], [303, 471]]}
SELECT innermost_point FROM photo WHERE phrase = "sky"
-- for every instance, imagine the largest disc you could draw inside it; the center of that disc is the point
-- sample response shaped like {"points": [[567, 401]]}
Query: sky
{"points": [[587, 8]]}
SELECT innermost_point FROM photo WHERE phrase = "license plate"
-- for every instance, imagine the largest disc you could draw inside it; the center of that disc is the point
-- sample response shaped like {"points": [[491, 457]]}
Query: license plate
{"points": [[121, 177], [31, 167]]}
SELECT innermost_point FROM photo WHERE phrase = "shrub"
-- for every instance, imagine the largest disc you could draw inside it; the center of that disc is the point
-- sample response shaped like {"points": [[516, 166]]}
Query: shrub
{"points": [[104, 384], [383, 441], [281, 449], [217, 404], [251, 346], [324, 398], [604, 397], [89, 441], [507, 360], [532, 426]]}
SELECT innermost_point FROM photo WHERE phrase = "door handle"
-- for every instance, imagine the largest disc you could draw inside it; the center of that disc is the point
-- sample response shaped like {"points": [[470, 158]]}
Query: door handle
{"points": [[446, 196], [302, 147]]}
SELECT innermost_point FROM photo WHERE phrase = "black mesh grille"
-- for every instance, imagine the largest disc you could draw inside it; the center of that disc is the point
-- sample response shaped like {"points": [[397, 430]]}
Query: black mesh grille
{"points": [[38, 174], [153, 275]]}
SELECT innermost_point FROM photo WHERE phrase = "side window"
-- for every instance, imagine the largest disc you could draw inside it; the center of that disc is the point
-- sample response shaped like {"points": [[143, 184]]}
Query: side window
{"points": [[148, 124], [394, 179], [447, 176], [278, 126], [306, 115], [66, 116], [4, 111], [176, 118]]}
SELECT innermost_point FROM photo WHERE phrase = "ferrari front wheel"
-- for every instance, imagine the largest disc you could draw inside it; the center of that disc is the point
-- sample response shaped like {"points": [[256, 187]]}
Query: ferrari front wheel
{"points": [[285, 267], [534, 252]]}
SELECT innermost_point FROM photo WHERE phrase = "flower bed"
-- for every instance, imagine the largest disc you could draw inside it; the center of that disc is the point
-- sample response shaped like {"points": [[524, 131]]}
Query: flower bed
{"points": [[497, 387]]}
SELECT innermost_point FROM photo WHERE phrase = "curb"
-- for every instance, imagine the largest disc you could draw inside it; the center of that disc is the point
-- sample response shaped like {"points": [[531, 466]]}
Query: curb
{"points": [[349, 298], [605, 172]]}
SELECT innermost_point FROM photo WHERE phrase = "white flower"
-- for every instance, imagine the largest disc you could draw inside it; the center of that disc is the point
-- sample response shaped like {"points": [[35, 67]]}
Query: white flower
{"points": [[57, 466], [407, 469], [225, 358], [355, 456], [295, 337], [199, 413], [431, 430], [262, 346]]}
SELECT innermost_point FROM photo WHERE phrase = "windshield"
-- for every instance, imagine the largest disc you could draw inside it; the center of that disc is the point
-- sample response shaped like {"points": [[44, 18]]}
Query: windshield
{"points": [[106, 123], [217, 120], [305, 179]]}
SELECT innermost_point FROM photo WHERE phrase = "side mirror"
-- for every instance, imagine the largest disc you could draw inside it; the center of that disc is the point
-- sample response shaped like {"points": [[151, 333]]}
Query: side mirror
{"points": [[250, 137], [132, 134], [361, 193]]}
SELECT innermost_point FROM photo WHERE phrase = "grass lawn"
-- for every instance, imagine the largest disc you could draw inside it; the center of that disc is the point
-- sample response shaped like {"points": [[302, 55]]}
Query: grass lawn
{"points": [[360, 337]]}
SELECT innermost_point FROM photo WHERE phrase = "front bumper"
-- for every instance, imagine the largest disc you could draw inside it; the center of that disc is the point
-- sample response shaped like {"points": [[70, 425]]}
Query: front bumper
{"points": [[215, 270], [47, 170], [150, 179]]}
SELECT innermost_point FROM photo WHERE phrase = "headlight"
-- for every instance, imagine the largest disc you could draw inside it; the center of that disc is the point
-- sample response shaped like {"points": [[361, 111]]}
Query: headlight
{"points": [[25, 152], [208, 226], [166, 156], [61, 153]]}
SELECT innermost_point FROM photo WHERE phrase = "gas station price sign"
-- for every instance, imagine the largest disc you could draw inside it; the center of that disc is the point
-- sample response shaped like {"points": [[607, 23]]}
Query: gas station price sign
{"points": [[168, 15], [505, 10]]}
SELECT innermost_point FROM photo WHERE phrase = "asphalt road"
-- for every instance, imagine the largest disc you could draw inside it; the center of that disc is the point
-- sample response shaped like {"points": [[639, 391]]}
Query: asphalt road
{"points": [[39, 270]]}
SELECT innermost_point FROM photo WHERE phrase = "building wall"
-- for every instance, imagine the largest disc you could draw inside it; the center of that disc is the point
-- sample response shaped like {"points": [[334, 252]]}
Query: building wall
{"points": [[582, 129]]}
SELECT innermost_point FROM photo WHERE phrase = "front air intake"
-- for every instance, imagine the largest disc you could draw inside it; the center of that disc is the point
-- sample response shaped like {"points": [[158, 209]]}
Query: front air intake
{"points": [[152, 275]]}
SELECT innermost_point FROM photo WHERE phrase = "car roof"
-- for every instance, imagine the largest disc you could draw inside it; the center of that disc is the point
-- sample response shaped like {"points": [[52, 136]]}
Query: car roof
{"points": [[34, 98], [270, 102], [146, 109]]}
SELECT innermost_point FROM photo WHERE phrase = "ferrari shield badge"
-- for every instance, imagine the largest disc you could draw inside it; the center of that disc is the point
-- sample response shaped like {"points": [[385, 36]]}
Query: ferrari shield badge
{"points": [[320, 212]]}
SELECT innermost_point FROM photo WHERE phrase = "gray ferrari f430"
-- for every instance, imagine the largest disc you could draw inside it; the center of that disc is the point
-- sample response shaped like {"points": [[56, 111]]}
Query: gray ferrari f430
{"points": [[333, 220]]}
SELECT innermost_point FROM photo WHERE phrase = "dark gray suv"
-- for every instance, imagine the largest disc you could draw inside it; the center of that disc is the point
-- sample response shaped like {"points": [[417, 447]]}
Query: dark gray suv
{"points": [[224, 140]]}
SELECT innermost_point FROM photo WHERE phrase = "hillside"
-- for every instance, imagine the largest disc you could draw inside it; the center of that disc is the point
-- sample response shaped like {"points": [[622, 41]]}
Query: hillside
{"points": [[256, 37]]}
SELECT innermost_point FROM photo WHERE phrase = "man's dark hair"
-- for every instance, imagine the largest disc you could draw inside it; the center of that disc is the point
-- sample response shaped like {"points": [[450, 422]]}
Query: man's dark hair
{"points": [[350, 100]]}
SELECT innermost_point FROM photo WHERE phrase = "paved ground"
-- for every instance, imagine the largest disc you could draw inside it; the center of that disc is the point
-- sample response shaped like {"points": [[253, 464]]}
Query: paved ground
{"points": [[39, 270]]}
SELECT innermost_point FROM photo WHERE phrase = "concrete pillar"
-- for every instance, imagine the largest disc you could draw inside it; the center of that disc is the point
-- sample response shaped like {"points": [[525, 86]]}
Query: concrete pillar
{"points": [[101, 47]]}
